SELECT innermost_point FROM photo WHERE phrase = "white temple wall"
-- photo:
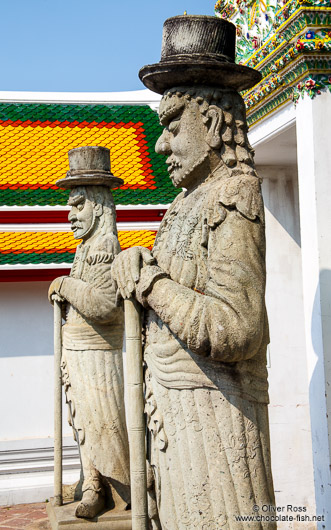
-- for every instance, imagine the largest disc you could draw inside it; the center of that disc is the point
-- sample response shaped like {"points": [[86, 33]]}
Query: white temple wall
{"points": [[288, 380], [26, 361], [26, 405]]}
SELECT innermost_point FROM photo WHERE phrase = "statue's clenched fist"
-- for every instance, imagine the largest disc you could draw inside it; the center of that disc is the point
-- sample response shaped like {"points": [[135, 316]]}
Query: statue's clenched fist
{"points": [[54, 289], [126, 269]]}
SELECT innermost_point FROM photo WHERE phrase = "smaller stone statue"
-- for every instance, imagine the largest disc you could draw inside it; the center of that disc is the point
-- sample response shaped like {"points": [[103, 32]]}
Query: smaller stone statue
{"points": [[93, 333]]}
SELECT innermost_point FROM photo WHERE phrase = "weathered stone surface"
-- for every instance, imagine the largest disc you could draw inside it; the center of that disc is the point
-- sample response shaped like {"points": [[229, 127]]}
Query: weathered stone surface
{"points": [[197, 50], [206, 328], [89, 164], [63, 517], [92, 365]]}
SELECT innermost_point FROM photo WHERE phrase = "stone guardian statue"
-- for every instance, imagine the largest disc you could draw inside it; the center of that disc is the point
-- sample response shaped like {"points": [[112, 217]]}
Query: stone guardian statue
{"points": [[203, 290], [92, 365]]}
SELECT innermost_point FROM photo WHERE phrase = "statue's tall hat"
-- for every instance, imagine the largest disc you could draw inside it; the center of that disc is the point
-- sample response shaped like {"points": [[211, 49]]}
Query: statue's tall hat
{"points": [[198, 50], [89, 166]]}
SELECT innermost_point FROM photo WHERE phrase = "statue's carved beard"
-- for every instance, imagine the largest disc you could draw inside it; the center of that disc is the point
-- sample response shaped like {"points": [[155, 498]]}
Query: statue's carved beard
{"points": [[191, 169], [77, 225]]}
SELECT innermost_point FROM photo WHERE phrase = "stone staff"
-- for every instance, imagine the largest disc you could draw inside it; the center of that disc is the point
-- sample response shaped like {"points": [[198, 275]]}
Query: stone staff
{"points": [[57, 402], [136, 421]]}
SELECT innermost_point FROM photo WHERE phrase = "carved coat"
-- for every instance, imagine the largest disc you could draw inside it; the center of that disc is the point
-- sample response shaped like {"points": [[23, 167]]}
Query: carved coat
{"points": [[92, 358], [206, 338]]}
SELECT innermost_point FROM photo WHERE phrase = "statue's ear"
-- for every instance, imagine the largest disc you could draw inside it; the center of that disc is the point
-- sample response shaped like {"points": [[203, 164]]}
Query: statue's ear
{"points": [[214, 124], [98, 210]]}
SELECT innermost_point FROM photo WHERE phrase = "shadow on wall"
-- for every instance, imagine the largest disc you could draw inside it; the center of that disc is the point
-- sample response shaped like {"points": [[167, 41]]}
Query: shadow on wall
{"points": [[281, 197], [26, 319], [320, 380]]}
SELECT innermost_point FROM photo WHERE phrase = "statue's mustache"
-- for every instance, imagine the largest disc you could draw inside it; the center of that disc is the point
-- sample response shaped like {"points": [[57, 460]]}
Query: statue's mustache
{"points": [[76, 224]]}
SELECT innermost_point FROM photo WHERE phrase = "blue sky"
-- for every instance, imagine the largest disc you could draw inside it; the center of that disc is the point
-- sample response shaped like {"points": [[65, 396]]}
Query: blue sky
{"points": [[83, 45]]}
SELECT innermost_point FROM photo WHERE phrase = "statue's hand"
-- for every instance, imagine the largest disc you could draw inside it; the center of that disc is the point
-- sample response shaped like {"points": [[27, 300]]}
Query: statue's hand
{"points": [[54, 290], [126, 268]]}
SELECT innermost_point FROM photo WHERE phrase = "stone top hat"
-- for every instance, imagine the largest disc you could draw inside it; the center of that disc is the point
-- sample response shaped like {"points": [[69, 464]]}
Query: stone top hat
{"points": [[89, 166], [198, 50]]}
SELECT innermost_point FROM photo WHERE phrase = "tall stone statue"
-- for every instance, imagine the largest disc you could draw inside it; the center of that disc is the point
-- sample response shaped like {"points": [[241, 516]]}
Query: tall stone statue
{"points": [[93, 333], [203, 287]]}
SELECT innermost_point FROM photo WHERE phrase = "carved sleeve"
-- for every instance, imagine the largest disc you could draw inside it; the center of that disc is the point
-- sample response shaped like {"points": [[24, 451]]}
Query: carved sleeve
{"points": [[95, 297], [227, 321]]}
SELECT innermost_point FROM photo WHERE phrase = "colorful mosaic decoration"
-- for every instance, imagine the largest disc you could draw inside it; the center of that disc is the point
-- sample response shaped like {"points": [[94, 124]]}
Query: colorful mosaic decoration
{"points": [[35, 139], [311, 86], [288, 41], [26, 248]]}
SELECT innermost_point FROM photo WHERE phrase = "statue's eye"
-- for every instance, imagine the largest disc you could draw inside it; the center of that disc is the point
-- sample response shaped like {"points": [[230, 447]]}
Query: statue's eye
{"points": [[80, 206]]}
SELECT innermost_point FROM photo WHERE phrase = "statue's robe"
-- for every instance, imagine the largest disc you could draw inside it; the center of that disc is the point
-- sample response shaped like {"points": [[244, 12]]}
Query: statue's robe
{"points": [[92, 365], [206, 380]]}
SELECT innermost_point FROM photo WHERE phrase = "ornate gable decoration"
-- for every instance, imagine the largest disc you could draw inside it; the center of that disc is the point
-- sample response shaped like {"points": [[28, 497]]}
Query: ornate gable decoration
{"points": [[288, 42]]}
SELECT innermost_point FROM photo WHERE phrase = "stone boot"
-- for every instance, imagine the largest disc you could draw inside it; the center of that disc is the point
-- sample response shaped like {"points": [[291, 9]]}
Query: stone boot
{"points": [[91, 504]]}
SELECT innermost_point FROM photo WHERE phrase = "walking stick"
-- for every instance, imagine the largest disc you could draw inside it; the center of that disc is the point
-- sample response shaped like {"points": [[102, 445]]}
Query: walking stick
{"points": [[57, 403], [136, 423]]}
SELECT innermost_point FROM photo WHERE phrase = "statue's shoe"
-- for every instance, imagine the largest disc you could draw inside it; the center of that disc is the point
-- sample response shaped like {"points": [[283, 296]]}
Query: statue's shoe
{"points": [[91, 504]]}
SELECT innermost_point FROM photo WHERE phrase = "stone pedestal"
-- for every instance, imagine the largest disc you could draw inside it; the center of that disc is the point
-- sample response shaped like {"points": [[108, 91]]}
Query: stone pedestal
{"points": [[63, 517]]}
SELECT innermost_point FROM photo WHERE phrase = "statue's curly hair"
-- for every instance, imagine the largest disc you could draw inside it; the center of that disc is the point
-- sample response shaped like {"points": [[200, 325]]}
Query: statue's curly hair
{"points": [[102, 195], [235, 151]]}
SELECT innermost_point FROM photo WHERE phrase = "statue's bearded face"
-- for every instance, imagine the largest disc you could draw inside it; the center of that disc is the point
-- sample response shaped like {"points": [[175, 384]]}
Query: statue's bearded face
{"points": [[82, 215], [183, 140]]}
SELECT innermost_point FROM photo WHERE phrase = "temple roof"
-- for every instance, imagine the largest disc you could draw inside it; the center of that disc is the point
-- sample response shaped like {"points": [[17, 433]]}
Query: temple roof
{"points": [[35, 139], [57, 247]]}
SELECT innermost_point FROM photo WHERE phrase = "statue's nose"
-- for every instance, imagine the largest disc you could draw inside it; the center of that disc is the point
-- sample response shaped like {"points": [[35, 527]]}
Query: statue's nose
{"points": [[71, 216], [162, 146]]}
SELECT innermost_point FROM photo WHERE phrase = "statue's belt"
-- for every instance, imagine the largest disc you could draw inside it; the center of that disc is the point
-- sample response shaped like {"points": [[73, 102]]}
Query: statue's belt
{"points": [[97, 337]]}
